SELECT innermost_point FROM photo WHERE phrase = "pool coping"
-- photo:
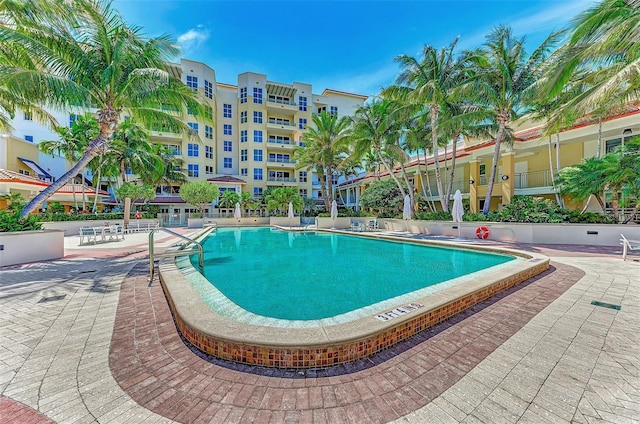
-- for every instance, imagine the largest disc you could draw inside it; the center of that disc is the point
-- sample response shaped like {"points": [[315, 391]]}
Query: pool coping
{"points": [[340, 343]]}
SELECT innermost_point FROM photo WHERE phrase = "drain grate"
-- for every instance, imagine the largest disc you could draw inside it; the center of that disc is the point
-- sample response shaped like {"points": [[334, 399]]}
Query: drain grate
{"points": [[606, 305], [52, 298]]}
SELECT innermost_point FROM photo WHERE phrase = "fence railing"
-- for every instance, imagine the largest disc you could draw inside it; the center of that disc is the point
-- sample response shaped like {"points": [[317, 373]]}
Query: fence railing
{"points": [[533, 179]]}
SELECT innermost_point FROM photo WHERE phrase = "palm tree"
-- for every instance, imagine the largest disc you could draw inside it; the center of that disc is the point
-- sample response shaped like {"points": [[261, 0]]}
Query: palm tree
{"points": [[432, 81], [325, 149], [279, 199], [375, 128], [502, 81], [92, 59], [229, 199], [71, 143]]}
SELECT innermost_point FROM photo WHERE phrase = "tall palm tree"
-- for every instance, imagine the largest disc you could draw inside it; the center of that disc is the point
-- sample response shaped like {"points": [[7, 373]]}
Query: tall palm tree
{"points": [[375, 128], [169, 174], [325, 149], [92, 59], [503, 77], [432, 80]]}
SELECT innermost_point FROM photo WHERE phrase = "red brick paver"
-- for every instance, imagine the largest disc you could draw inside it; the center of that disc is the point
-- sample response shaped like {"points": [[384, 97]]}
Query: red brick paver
{"points": [[155, 367], [12, 412]]}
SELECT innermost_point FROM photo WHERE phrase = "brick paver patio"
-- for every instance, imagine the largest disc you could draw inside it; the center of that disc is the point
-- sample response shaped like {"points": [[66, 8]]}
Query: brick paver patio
{"points": [[87, 339]]}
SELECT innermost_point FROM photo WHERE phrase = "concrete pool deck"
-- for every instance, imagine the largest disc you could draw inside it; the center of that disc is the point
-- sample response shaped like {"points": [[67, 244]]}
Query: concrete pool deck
{"points": [[88, 339]]}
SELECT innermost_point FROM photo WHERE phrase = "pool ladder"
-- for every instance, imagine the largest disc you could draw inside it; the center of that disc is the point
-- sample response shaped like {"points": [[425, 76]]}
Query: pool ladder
{"points": [[182, 251]]}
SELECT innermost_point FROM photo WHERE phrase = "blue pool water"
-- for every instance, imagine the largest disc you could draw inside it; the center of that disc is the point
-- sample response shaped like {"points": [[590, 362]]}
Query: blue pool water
{"points": [[310, 276]]}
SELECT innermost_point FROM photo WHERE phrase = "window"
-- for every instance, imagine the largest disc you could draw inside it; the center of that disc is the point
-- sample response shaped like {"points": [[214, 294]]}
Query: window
{"points": [[303, 192], [257, 192], [28, 138], [228, 163], [192, 149], [23, 172], [303, 176], [302, 103], [226, 110], [243, 95], [192, 170], [193, 126], [174, 149], [243, 155], [257, 174], [302, 123], [227, 129], [243, 117], [192, 82], [28, 116], [243, 136], [72, 118], [244, 172], [257, 95], [334, 110], [257, 155], [208, 152], [614, 144], [208, 89], [208, 132], [228, 146], [257, 117], [257, 136], [208, 169]]}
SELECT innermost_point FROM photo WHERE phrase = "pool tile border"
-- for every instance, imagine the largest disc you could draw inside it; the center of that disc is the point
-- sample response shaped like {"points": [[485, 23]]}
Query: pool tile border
{"points": [[303, 348]]}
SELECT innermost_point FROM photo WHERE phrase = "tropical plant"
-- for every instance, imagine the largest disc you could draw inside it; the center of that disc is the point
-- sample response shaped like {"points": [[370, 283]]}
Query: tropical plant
{"points": [[383, 197], [10, 220], [325, 149], [279, 198], [502, 79], [229, 199], [90, 57], [200, 194], [129, 191]]}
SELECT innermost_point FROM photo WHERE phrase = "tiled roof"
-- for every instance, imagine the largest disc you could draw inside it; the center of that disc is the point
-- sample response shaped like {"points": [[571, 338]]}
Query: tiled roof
{"points": [[7, 176]]}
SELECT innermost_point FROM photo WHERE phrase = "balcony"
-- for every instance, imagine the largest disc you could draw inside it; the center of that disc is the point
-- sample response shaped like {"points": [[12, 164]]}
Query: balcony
{"points": [[281, 126], [533, 182], [282, 180], [276, 143], [286, 163], [281, 107], [164, 136]]}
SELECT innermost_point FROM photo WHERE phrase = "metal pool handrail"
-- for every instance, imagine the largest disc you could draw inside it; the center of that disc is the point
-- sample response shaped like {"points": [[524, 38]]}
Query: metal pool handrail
{"points": [[173, 253]]}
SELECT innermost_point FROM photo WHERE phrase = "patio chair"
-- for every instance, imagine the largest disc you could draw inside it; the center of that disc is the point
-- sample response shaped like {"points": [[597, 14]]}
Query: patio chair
{"points": [[356, 226], [89, 233], [628, 245], [372, 225]]}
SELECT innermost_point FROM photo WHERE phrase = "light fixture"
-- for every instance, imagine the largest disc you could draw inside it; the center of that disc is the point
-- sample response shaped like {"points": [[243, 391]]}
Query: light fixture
{"points": [[505, 177], [471, 182], [627, 131]]}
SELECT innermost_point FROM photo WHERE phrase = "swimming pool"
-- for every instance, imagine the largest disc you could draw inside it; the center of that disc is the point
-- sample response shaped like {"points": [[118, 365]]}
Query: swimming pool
{"points": [[313, 276], [230, 332]]}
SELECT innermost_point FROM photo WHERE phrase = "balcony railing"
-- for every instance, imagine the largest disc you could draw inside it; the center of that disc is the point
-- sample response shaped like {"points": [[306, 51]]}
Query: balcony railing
{"points": [[282, 102], [287, 161], [281, 180], [533, 179], [484, 179], [273, 121], [282, 142]]}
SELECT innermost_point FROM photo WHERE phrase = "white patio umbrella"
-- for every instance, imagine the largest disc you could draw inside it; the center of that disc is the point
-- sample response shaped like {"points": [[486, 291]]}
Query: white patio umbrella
{"points": [[457, 211], [290, 213], [406, 210], [334, 212], [237, 214]]}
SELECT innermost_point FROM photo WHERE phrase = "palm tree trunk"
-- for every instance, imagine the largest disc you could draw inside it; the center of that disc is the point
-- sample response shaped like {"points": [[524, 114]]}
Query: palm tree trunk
{"points": [[391, 174], [84, 203], [453, 165], [553, 178], [427, 194], [494, 165], [434, 141], [95, 198], [558, 164], [599, 153], [127, 211], [405, 177], [90, 153]]}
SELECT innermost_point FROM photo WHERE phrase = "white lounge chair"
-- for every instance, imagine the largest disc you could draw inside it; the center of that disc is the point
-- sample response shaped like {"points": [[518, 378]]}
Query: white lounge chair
{"points": [[356, 226], [88, 233], [372, 225], [628, 245]]}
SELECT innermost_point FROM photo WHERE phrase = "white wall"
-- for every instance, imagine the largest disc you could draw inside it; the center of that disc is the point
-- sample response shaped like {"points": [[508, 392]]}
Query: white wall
{"points": [[31, 246]]}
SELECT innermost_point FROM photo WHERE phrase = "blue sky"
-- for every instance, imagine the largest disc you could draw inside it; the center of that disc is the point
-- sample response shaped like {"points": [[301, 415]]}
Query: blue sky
{"points": [[343, 45]]}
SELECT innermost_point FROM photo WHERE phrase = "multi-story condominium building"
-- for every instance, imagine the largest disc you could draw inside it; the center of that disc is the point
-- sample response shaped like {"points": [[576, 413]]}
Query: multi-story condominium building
{"points": [[248, 145]]}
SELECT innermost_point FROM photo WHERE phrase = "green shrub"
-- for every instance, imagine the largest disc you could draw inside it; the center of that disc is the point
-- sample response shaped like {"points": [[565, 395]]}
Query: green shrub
{"points": [[11, 222]]}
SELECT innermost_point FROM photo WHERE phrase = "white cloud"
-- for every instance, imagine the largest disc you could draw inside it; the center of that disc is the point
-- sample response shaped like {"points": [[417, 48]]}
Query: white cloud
{"points": [[192, 39]]}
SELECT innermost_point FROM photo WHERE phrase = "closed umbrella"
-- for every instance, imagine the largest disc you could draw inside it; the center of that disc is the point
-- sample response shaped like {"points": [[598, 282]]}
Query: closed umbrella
{"points": [[406, 210], [334, 212], [237, 214], [457, 211], [290, 213]]}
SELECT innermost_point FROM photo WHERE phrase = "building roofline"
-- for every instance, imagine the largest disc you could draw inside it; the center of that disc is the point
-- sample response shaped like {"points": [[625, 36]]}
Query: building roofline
{"points": [[344, 93]]}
